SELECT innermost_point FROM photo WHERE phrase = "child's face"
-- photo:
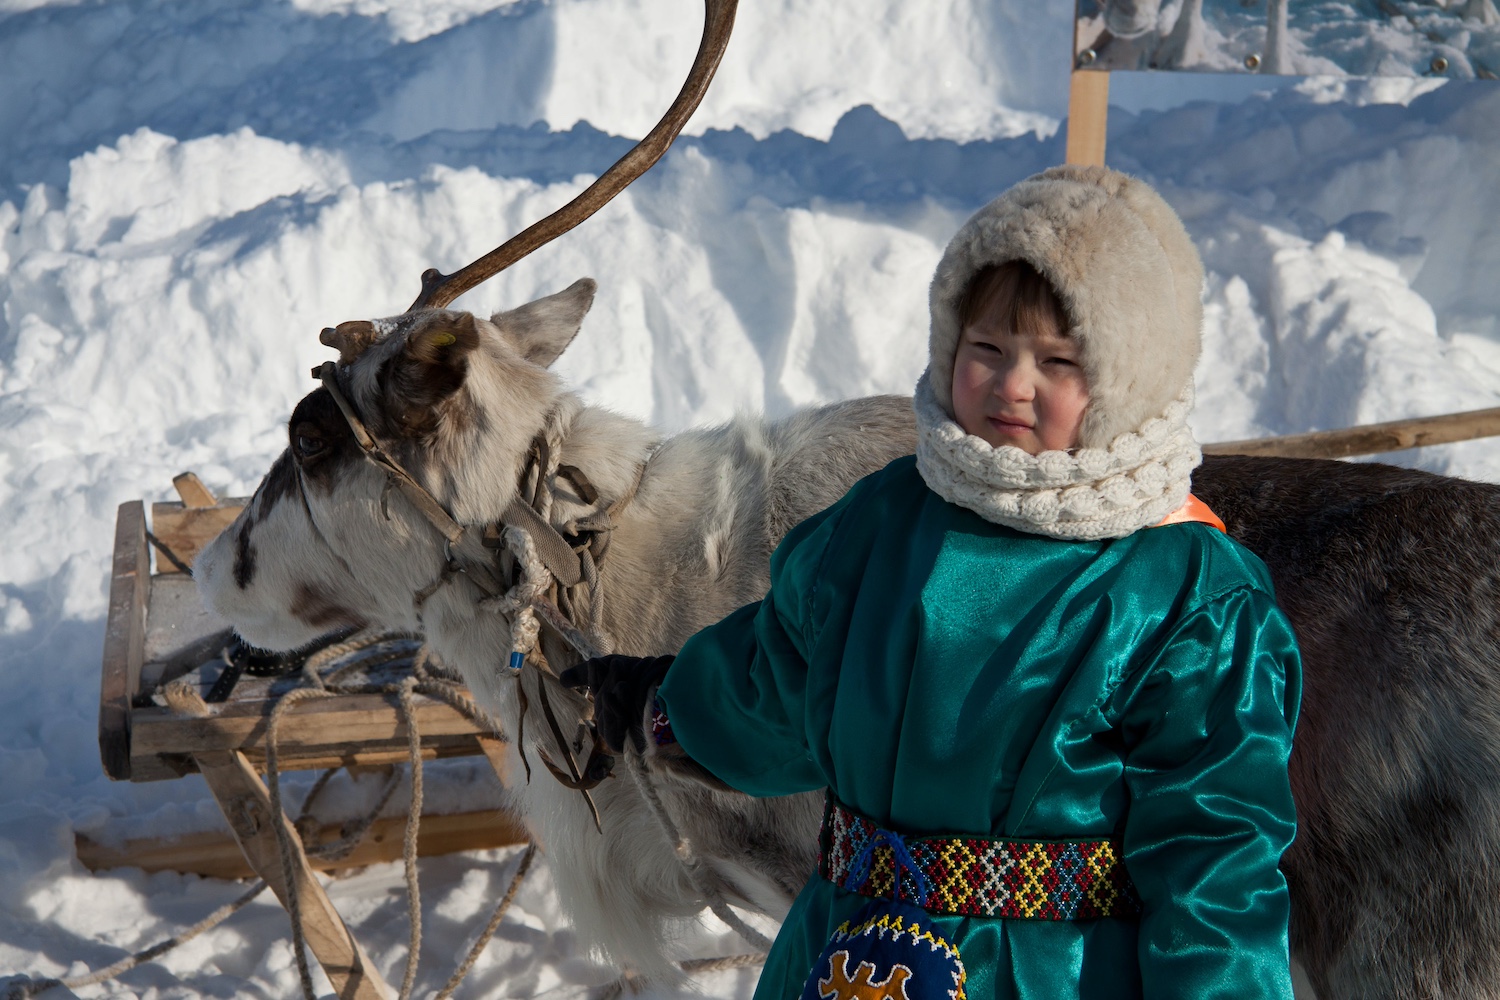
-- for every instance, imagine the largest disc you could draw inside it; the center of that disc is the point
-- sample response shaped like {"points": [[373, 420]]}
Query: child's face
{"points": [[1019, 387]]}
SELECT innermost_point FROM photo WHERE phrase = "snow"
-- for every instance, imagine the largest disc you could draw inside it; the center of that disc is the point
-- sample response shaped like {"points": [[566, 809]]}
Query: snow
{"points": [[188, 193], [1392, 38]]}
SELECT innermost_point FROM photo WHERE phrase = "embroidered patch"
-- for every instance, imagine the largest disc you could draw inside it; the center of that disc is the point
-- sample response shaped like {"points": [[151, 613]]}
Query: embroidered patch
{"points": [[888, 951], [661, 726], [972, 876]]}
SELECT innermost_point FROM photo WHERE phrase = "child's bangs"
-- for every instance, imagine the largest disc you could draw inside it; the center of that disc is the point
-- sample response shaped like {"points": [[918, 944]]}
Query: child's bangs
{"points": [[1015, 296]]}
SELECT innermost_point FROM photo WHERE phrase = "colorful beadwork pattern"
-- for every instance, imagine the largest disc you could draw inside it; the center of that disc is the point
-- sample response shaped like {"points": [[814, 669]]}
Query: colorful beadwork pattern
{"points": [[971, 876], [661, 726]]}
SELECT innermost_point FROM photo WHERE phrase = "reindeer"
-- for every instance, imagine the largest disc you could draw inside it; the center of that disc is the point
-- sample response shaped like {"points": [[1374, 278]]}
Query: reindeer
{"points": [[469, 428], [458, 401], [1391, 579], [439, 436]]}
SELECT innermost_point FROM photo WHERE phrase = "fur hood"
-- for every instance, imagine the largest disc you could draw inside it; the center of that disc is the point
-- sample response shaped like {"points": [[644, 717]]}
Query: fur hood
{"points": [[1125, 270]]}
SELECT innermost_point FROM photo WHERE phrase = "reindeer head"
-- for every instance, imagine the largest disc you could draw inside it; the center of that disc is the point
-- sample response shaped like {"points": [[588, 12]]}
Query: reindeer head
{"points": [[456, 400]]}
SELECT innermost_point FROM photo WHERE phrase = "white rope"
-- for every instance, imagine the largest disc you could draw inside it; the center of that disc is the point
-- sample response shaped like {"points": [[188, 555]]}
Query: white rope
{"points": [[409, 839], [489, 930], [31, 987], [704, 879], [531, 586], [283, 836]]}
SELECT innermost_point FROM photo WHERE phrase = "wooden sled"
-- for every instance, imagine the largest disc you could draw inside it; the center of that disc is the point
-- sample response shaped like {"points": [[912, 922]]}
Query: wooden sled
{"points": [[157, 633]]}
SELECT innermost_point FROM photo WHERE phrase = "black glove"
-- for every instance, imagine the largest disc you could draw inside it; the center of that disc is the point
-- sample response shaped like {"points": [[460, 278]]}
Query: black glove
{"points": [[620, 686]]}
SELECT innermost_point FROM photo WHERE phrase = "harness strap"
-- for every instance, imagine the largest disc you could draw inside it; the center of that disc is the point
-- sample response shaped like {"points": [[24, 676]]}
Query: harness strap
{"points": [[425, 502], [556, 554]]}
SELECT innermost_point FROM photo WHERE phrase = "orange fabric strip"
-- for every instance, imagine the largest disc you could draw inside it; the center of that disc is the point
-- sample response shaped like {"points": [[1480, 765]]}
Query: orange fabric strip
{"points": [[1193, 509]]}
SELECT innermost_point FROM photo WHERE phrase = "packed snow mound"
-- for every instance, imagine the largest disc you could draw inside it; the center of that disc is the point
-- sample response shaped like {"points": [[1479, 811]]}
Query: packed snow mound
{"points": [[162, 309], [326, 72]]}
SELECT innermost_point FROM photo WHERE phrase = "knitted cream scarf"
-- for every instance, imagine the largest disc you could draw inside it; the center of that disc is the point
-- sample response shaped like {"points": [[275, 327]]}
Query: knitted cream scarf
{"points": [[1089, 493]]}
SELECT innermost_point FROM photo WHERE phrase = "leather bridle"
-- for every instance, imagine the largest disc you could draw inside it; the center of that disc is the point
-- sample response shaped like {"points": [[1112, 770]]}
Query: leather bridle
{"points": [[556, 554]]}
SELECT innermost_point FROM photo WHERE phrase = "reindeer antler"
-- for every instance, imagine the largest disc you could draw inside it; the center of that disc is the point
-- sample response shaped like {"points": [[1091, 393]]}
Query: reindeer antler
{"points": [[439, 289]]}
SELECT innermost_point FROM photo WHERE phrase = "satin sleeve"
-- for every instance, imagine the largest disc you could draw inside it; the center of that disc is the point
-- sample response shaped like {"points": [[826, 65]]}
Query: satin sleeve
{"points": [[735, 695], [1208, 732]]}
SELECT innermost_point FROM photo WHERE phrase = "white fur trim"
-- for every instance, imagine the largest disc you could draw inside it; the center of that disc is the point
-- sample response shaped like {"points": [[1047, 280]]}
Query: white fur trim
{"points": [[1125, 270], [1089, 493]]}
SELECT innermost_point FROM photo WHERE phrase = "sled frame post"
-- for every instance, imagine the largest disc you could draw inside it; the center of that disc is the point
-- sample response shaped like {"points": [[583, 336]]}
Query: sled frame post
{"points": [[247, 805], [1088, 117]]}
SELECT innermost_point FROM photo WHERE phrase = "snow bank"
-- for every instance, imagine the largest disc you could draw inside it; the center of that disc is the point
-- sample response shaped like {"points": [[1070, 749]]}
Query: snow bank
{"points": [[177, 221], [326, 71]]}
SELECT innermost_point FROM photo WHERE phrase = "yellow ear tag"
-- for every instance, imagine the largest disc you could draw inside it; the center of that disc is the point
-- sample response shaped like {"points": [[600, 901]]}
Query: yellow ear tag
{"points": [[443, 339]]}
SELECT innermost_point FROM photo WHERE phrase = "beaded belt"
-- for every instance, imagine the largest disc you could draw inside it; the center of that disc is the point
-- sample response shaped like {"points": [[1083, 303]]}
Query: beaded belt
{"points": [[975, 876]]}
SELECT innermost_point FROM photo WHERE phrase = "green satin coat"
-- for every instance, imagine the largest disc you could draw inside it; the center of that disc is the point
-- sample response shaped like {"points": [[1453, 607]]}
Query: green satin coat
{"points": [[945, 675]]}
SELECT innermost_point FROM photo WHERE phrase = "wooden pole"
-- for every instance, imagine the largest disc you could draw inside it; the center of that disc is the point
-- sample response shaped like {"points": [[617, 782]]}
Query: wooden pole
{"points": [[216, 854], [252, 817], [1370, 439], [1088, 116]]}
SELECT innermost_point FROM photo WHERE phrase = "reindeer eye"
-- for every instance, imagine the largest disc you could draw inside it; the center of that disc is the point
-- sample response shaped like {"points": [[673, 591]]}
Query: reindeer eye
{"points": [[307, 445]]}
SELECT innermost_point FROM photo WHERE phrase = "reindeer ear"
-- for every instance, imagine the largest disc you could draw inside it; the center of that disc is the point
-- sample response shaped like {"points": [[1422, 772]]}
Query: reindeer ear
{"points": [[432, 366], [543, 329]]}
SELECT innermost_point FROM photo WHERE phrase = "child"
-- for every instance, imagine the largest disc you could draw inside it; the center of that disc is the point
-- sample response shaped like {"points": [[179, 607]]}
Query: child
{"points": [[1052, 710]]}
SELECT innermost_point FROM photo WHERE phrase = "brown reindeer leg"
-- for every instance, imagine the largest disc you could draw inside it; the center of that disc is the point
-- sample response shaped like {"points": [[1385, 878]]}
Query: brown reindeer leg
{"points": [[247, 806]]}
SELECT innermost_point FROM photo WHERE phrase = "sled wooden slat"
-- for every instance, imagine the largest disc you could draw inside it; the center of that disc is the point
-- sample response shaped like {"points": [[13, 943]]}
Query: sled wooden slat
{"points": [[124, 638], [252, 817], [186, 530], [192, 490], [348, 729], [215, 854]]}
